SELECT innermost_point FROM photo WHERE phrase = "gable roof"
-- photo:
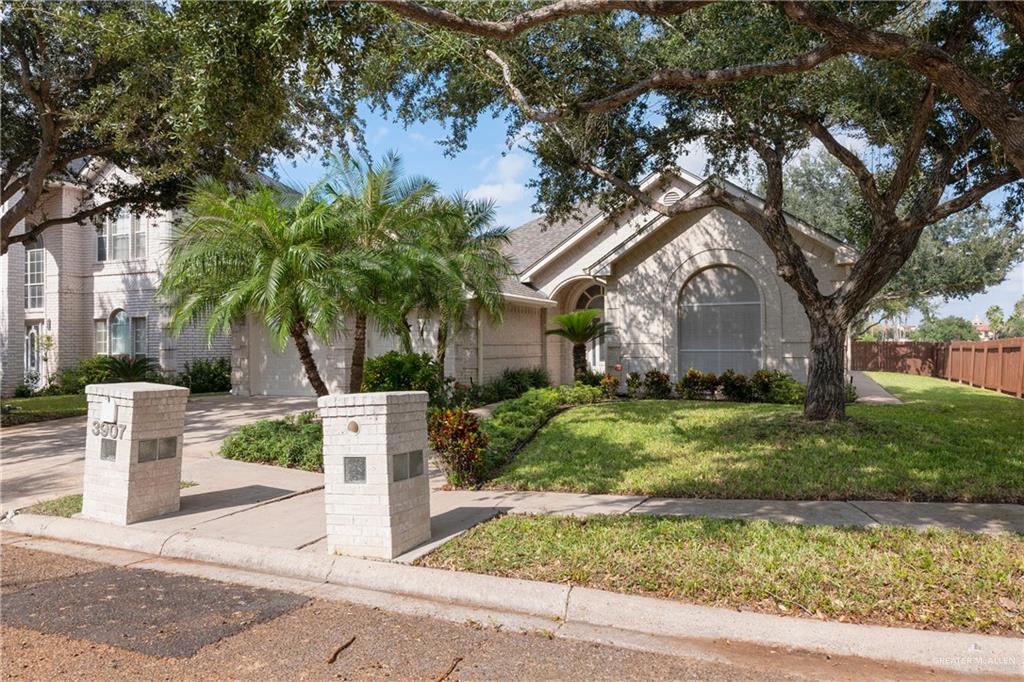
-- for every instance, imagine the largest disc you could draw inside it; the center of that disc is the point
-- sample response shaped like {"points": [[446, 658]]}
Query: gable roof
{"points": [[570, 232], [531, 241]]}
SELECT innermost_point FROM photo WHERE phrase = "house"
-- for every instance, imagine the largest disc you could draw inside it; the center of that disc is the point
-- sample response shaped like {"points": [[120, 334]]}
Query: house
{"points": [[697, 290], [89, 290]]}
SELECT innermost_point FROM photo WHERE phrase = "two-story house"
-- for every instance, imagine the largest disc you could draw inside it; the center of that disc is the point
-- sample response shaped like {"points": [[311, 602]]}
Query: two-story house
{"points": [[82, 290]]}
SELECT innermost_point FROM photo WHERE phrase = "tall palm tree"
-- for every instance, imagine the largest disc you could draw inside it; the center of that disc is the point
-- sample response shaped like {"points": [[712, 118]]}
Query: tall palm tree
{"points": [[471, 249], [288, 260], [580, 328], [385, 212]]}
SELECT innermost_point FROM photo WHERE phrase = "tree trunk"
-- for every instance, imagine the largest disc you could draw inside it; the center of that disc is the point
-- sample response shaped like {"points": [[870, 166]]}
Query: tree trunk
{"points": [[442, 346], [298, 334], [825, 379], [355, 382], [579, 361]]}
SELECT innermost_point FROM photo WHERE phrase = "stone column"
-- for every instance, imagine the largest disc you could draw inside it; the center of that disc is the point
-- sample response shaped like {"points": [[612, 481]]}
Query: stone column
{"points": [[133, 451], [376, 489]]}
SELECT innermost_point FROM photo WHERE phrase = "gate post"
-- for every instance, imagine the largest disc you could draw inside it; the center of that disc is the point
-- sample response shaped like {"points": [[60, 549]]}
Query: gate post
{"points": [[376, 488], [133, 451]]}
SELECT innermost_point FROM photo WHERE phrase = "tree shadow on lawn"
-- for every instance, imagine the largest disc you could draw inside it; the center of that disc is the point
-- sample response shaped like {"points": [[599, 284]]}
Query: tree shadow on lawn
{"points": [[753, 451]]}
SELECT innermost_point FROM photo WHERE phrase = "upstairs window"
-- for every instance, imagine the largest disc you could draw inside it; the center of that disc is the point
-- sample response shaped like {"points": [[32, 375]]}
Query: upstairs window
{"points": [[139, 238], [122, 236], [34, 274]]}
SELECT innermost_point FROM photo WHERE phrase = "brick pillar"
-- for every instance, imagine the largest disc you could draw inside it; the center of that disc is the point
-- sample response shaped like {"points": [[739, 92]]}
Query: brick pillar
{"points": [[133, 451], [376, 490]]}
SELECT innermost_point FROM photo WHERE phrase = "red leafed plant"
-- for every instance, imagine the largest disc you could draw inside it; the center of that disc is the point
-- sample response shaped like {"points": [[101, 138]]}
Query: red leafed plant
{"points": [[459, 444]]}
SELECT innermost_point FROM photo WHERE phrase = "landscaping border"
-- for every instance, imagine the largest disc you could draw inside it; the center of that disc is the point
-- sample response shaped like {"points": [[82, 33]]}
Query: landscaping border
{"points": [[573, 612]]}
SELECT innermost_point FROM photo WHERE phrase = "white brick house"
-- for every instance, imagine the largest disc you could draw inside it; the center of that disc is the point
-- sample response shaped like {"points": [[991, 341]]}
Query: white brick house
{"points": [[91, 289], [698, 290]]}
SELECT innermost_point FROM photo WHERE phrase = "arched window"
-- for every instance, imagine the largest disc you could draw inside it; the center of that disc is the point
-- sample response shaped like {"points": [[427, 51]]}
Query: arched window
{"points": [[720, 322], [120, 333], [593, 298]]}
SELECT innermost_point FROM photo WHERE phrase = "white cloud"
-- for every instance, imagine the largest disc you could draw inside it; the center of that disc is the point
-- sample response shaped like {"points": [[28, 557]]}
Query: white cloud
{"points": [[503, 182]]}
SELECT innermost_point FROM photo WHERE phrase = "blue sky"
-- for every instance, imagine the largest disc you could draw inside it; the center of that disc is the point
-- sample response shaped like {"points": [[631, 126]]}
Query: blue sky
{"points": [[489, 168]]}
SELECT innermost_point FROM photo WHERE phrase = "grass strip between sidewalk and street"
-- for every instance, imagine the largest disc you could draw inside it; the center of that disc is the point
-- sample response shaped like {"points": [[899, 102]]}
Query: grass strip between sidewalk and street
{"points": [[936, 579], [69, 505]]}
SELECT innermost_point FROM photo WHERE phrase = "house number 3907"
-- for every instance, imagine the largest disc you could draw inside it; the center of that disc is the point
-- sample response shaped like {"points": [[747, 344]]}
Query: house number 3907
{"points": [[108, 430]]}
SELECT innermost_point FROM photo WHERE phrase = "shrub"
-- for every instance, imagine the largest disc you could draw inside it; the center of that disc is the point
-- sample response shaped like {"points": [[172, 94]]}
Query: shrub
{"points": [[849, 391], [127, 368], [294, 442], [735, 386], [22, 391], [511, 384], [592, 378], [87, 371], [513, 423], [207, 376], [459, 444], [610, 385], [634, 385], [394, 371], [656, 385], [697, 385], [776, 386]]}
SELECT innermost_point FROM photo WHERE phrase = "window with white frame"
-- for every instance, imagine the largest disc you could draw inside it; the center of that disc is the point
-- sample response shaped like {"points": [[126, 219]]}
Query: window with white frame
{"points": [[120, 333], [120, 236], [34, 275], [101, 242], [140, 337], [100, 336], [593, 299], [139, 237]]}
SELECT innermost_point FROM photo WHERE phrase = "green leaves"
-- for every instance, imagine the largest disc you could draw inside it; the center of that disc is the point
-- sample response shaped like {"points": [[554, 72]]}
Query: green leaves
{"points": [[580, 327]]}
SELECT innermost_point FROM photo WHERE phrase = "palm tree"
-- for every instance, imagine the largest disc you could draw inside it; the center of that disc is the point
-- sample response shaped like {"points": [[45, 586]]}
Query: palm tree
{"points": [[468, 262], [288, 260], [580, 328], [385, 212]]}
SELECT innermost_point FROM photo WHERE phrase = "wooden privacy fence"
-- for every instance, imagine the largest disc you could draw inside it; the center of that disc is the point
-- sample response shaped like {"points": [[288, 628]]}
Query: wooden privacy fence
{"points": [[996, 365]]}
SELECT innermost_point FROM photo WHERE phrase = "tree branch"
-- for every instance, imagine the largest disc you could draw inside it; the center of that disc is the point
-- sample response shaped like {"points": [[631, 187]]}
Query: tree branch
{"points": [[971, 196], [988, 104], [865, 178], [662, 81], [77, 217], [510, 28], [912, 149]]}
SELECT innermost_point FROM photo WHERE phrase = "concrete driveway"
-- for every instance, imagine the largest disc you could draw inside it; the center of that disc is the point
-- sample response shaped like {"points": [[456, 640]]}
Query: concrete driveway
{"points": [[45, 460]]}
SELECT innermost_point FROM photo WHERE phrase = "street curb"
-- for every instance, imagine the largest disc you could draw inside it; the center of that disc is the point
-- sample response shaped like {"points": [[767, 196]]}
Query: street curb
{"points": [[573, 612]]}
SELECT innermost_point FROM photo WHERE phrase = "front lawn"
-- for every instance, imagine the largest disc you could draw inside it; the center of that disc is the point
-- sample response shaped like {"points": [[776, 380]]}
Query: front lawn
{"points": [[43, 408], [939, 579], [946, 443]]}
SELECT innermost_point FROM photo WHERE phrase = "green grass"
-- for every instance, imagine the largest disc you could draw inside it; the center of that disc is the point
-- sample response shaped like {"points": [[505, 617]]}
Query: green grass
{"points": [[947, 443], [69, 505], [66, 506], [44, 408], [942, 579]]}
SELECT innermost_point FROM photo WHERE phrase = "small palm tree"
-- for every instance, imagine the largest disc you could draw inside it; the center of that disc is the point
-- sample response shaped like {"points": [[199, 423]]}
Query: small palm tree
{"points": [[127, 368], [580, 328], [288, 260]]}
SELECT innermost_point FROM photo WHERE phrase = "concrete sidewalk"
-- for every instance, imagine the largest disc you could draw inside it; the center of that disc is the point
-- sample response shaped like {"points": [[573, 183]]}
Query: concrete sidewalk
{"points": [[871, 392]]}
